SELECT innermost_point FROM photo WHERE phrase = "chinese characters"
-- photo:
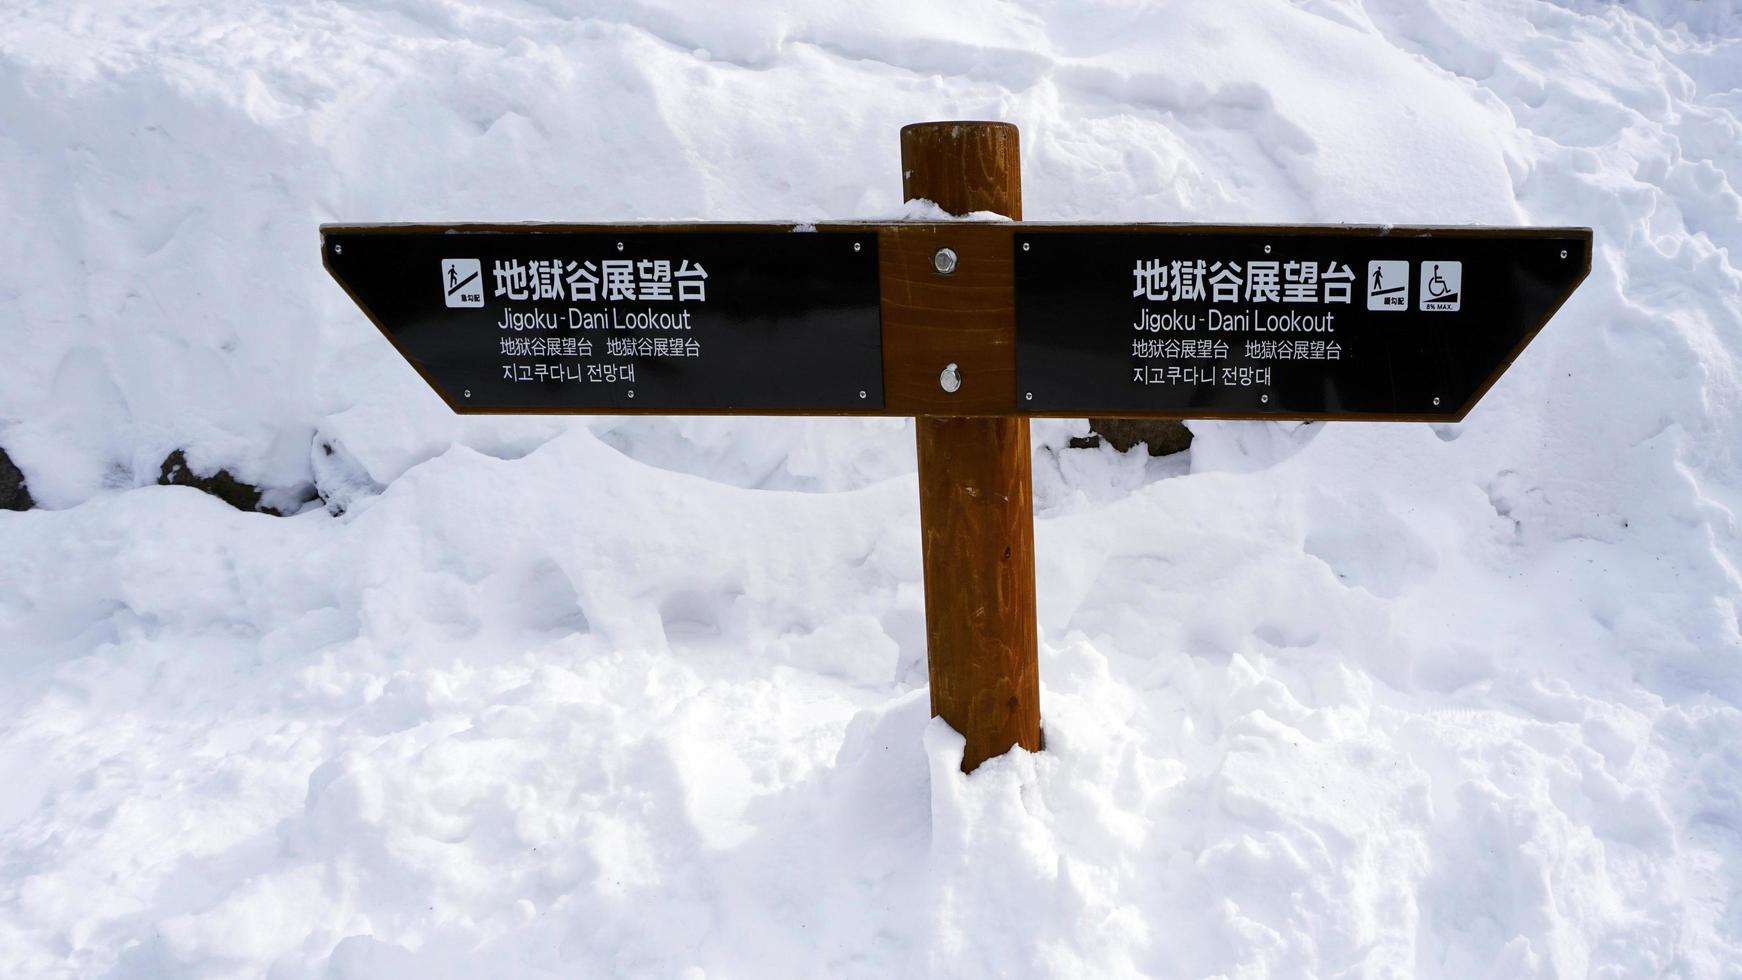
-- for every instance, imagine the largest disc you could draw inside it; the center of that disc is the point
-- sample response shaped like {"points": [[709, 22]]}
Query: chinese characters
{"points": [[609, 281], [1258, 281]]}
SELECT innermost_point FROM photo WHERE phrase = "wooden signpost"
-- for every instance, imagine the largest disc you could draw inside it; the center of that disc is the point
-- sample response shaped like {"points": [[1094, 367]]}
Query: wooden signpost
{"points": [[970, 328]]}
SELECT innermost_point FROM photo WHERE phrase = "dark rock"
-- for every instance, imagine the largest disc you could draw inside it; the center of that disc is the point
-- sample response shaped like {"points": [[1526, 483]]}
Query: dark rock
{"points": [[1164, 437], [14, 493], [177, 473]]}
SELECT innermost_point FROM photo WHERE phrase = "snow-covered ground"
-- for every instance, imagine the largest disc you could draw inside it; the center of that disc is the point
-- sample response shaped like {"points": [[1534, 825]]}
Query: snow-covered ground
{"points": [[615, 697]]}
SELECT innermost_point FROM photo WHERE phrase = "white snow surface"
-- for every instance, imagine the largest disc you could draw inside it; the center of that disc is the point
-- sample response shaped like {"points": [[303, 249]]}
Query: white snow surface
{"points": [[646, 697]]}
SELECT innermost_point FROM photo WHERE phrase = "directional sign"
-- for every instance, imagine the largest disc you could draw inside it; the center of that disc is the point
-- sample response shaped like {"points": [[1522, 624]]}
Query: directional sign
{"points": [[961, 319], [968, 327], [1298, 323], [548, 318]]}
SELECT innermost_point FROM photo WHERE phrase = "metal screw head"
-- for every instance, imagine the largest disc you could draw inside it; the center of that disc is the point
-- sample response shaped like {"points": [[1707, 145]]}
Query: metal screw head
{"points": [[339, 249], [1025, 246], [861, 393], [944, 260], [632, 393], [950, 378], [1029, 396], [1267, 250], [468, 392], [1265, 399], [619, 246], [1436, 400], [1563, 253], [856, 246]]}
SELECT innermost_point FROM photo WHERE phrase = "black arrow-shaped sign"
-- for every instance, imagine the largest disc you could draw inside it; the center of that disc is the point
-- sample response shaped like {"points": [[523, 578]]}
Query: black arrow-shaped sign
{"points": [[1195, 321]]}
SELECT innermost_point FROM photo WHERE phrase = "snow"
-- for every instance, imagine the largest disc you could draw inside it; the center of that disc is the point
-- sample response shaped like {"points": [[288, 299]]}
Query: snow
{"points": [[645, 697]]}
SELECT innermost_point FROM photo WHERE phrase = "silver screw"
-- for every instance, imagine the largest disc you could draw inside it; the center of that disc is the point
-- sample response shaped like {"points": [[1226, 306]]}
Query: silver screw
{"points": [[632, 393], [856, 246], [468, 392], [944, 261], [619, 246], [950, 378], [1025, 246], [339, 249], [1265, 399], [861, 393], [1029, 396], [1563, 253], [1436, 400], [1267, 250]]}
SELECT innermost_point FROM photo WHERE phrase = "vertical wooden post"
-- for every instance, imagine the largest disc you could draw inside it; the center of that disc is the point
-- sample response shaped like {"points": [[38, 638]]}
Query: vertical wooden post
{"points": [[976, 500]]}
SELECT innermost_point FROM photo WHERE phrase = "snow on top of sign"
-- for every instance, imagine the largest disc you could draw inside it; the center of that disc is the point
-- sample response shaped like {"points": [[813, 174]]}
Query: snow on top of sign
{"points": [[645, 697], [921, 209]]}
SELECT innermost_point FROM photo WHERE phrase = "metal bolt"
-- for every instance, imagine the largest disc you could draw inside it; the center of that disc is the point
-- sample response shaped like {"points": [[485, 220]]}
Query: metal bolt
{"points": [[1029, 396], [632, 393], [1265, 399], [1025, 246], [856, 246], [861, 393], [1267, 250], [468, 392], [1563, 253], [619, 246], [944, 260], [950, 378], [1436, 400]]}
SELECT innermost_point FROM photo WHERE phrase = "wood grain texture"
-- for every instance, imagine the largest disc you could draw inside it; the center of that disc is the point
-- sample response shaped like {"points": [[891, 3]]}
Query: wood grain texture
{"points": [[963, 166], [975, 493], [931, 320], [976, 512]]}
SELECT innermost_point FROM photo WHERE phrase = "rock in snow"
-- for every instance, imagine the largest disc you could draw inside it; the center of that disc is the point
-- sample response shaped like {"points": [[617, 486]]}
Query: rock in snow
{"points": [[14, 492], [642, 697], [1160, 437], [176, 472]]}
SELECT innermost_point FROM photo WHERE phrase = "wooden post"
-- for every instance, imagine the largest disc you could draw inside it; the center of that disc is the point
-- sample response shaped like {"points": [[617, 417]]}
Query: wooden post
{"points": [[975, 494]]}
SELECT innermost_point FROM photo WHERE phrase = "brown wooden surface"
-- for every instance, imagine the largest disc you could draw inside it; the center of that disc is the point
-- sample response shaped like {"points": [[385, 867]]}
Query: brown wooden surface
{"points": [[975, 497], [930, 320], [963, 166], [976, 514]]}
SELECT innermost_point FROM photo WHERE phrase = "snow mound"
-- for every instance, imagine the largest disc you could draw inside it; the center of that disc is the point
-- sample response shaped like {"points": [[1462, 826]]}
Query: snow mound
{"points": [[645, 697]]}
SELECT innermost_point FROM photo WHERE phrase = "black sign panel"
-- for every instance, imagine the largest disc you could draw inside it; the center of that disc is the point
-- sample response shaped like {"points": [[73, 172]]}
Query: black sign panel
{"points": [[679, 319], [1327, 322]]}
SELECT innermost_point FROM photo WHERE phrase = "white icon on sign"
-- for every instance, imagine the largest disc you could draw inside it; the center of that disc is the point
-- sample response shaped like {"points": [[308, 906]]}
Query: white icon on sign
{"points": [[462, 282], [1442, 286], [1388, 285]]}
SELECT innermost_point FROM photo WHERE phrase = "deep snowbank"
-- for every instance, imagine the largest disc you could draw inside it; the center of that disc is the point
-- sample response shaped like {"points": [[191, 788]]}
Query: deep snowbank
{"points": [[641, 697]]}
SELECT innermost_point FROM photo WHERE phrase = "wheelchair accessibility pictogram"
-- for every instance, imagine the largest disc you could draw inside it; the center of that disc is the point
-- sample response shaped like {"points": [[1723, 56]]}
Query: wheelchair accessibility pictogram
{"points": [[1441, 286]]}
